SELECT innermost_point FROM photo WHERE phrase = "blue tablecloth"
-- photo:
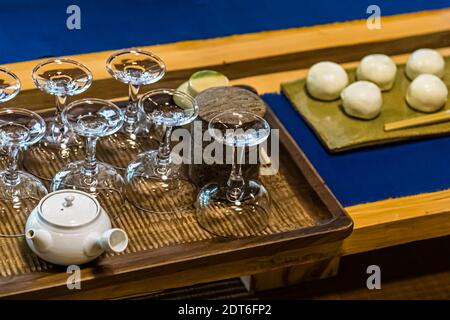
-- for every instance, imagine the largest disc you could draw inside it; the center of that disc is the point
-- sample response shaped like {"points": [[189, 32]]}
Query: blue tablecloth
{"points": [[33, 29], [375, 173]]}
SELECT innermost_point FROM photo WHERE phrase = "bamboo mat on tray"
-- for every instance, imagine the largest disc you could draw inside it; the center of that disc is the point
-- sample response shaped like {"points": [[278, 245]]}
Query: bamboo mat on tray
{"points": [[151, 231]]}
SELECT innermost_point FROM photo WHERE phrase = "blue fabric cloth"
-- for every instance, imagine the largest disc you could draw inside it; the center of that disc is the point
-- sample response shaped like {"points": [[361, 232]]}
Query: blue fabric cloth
{"points": [[375, 173], [32, 29]]}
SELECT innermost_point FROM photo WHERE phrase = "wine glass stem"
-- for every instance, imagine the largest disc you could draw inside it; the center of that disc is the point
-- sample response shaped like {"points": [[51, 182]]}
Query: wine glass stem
{"points": [[57, 124], [235, 182], [90, 162], [60, 103], [12, 175], [131, 114], [163, 155]]}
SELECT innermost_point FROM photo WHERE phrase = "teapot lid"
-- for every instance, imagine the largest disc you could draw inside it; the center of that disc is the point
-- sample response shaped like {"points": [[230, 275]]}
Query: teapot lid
{"points": [[69, 208]]}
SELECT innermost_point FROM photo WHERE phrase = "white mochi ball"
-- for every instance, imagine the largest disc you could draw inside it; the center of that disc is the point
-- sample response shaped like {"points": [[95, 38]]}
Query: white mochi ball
{"points": [[362, 99], [425, 61], [379, 69], [326, 80], [427, 93]]}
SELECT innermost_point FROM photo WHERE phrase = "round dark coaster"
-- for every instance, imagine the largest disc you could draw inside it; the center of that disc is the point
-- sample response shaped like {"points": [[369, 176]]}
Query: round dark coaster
{"points": [[220, 99], [246, 87]]}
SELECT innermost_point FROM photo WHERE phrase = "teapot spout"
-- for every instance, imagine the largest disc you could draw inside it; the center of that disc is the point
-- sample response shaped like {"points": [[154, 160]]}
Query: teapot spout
{"points": [[41, 239], [114, 240]]}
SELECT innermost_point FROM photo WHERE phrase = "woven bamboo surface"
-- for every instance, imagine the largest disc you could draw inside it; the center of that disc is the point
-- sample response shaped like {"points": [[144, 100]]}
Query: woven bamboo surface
{"points": [[293, 207]]}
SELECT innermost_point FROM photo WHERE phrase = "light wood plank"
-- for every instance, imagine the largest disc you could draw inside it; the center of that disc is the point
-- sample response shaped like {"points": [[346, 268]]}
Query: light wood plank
{"points": [[270, 83], [152, 279], [397, 221]]}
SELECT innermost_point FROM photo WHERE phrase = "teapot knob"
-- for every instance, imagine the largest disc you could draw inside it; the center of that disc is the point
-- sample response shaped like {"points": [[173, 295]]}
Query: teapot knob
{"points": [[68, 201]]}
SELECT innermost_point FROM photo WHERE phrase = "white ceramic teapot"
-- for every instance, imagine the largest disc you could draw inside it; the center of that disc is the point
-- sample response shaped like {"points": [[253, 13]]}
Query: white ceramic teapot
{"points": [[70, 227]]}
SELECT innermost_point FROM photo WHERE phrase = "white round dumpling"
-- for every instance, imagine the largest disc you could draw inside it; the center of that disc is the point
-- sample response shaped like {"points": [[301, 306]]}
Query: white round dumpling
{"points": [[326, 80], [427, 93], [379, 69], [362, 99], [425, 61]]}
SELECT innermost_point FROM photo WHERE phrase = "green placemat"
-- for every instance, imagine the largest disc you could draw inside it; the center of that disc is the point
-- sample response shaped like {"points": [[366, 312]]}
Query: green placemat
{"points": [[339, 132]]}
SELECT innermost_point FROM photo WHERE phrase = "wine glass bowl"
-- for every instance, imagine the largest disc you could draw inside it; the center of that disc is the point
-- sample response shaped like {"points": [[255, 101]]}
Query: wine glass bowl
{"points": [[20, 127], [62, 77], [239, 129], [240, 207], [156, 181], [167, 107], [135, 66], [19, 190], [226, 215], [9, 85], [92, 119]]}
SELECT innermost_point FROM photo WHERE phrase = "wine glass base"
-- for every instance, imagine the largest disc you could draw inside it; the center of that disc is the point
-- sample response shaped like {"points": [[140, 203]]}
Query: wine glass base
{"points": [[248, 216], [106, 185], [120, 149], [44, 161], [17, 202], [149, 191], [59, 136]]}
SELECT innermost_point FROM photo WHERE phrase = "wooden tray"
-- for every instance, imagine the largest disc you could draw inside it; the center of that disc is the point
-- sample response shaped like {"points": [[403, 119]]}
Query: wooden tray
{"points": [[339, 132], [167, 250]]}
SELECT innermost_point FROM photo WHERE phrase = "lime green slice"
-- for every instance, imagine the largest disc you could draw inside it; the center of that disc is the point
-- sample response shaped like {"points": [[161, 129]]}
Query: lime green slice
{"points": [[205, 79], [184, 87]]}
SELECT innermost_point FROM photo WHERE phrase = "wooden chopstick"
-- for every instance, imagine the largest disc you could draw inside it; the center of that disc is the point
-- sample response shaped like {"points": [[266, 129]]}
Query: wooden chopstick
{"points": [[418, 121]]}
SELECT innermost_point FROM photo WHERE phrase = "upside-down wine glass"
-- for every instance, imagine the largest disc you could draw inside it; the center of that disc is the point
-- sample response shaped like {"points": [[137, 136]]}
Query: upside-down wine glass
{"points": [[92, 119], [9, 88], [239, 207], [19, 191], [135, 68], [61, 78], [157, 181]]}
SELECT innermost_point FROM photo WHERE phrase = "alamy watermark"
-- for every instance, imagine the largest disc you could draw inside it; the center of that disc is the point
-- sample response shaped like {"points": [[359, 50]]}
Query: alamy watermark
{"points": [[374, 280], [199, 147], [74, 279], [73, 21], [192, 149], [374, 20]]}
